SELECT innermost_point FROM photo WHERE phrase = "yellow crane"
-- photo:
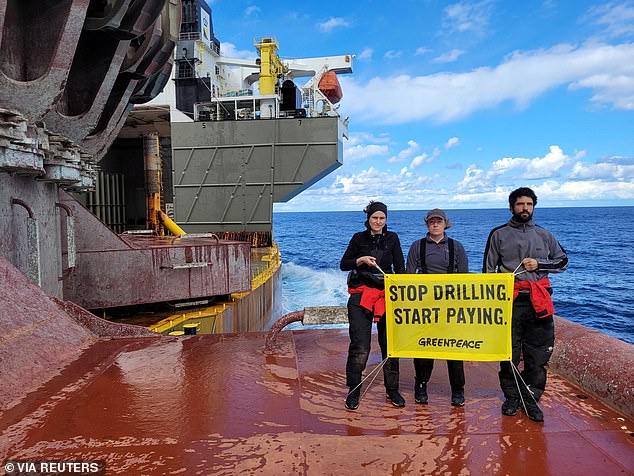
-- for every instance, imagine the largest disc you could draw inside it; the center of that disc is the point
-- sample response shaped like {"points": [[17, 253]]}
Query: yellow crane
{"points": [[271, 66]]}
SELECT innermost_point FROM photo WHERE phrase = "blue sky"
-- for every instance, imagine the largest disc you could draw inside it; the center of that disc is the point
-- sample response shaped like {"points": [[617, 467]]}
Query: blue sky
{"points": [[454, 104]]}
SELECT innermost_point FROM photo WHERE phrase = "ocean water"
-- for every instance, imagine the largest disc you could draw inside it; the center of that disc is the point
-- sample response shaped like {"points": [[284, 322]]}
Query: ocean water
{"points": [[596, 290]]}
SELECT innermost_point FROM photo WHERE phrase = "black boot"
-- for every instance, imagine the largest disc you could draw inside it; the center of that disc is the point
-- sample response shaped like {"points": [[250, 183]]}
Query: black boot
{"points": [[395, 397], [420, 392], [457, 397], [352, 400], [533, 411], [510, 406]]}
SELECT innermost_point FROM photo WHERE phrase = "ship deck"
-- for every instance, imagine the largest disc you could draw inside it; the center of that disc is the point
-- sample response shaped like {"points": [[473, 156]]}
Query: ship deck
{"points": [[219, 404]]}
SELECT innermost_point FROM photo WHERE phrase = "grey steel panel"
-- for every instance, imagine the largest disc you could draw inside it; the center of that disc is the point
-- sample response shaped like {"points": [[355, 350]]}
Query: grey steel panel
{"points": [[228, 174]]}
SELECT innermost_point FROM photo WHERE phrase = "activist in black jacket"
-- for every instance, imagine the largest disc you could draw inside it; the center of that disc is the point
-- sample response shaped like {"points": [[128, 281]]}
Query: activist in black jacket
{"points": [[375, 245], [386, 247], [436, 253]]}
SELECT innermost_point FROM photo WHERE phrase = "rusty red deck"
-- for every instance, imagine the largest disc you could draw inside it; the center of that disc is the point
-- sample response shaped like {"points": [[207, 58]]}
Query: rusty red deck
{"points": [[221, 405]]}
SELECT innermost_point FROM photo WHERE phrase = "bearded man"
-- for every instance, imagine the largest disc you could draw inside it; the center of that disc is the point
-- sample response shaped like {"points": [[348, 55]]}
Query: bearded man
{"points": [[531, 253]]}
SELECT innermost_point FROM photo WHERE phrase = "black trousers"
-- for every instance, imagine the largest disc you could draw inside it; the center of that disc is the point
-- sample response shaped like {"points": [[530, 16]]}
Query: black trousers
{"points": [[360, 321], [533, 338], [455, 368]]}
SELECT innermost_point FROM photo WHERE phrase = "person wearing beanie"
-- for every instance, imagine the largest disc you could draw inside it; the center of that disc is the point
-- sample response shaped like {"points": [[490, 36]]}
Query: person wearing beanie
{"points": [[369, 254], [436, 253]]}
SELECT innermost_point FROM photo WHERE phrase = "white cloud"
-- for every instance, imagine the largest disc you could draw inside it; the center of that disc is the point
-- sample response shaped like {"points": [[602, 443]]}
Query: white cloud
{"points": [[586, 190], [448, 57], [406, 189], [362, 145], [362, 137], [617, 90], [418, 161], [392, 54], [537, 168], [509, 170], [552, 191], [402, 189], [230, 50], [332, 23], [452, 142], [609, 179], [252, 10], [520, 79], [602, 170], [366, 54], [475, 179], [403, 186], [421, 50], [357, 152], [467, 17], [616, 18], [403, 155]]}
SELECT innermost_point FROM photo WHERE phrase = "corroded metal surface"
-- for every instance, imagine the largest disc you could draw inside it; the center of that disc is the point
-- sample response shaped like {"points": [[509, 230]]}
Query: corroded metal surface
{"points": [[221, 405], [101, 327], [121, 270], [599, 363], [78, 66], [325, 315], [70, 70], [29, 354], [280, 324]]}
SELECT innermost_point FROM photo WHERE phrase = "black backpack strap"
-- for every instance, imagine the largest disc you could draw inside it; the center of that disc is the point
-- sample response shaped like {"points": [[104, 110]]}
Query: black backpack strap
{"points": [[423, 258], [450, 267]]}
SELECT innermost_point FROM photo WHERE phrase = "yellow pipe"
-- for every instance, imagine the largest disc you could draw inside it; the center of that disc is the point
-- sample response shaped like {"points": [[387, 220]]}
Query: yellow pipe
{"points": [[173, 228]]}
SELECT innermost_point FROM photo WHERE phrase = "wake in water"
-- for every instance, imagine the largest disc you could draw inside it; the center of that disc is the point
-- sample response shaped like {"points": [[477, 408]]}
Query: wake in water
{"points": [[303, 286]]}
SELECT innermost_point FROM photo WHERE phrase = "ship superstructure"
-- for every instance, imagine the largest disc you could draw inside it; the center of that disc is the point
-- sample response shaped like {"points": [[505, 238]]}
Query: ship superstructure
{"points": [[225, 140], [195, 154], [237, 135]]}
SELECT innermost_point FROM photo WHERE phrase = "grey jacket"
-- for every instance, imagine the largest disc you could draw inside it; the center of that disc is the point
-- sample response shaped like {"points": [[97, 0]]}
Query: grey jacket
{"points": [[437, 257], [509, 244]]}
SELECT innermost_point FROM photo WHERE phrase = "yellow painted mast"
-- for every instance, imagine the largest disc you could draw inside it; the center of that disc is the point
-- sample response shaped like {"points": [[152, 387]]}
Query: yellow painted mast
{"points": [[271, 67]]}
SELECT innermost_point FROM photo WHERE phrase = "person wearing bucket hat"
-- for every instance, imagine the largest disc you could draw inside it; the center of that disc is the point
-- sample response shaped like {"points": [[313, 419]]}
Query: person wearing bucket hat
{"points": [[436, 253], [369, 254]]}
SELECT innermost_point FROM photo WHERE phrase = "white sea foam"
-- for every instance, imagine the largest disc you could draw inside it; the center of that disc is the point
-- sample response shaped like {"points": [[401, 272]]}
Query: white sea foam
{"points": [[303, 286]]}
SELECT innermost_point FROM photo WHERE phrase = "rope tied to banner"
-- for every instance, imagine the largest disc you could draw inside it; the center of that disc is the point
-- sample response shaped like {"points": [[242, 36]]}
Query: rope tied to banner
{"points": [[373, 373]]}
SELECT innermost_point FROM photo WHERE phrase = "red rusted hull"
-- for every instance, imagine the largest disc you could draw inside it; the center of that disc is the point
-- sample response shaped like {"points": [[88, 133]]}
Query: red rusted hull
{"points": [[329, 85], [123, 270]]}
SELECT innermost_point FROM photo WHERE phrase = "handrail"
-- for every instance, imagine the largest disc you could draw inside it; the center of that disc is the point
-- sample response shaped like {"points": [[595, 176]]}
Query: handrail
{"points": [[71, 253], [33, 242], [22, 203]]}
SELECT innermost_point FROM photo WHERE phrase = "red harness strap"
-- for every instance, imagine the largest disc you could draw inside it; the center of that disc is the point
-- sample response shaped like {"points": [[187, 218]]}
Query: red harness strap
{"points": [[372, 299], [540, 297]]}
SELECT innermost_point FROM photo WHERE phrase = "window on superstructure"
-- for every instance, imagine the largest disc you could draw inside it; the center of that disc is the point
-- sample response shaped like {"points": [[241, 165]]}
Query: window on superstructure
{"points": [[184, 70]]}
